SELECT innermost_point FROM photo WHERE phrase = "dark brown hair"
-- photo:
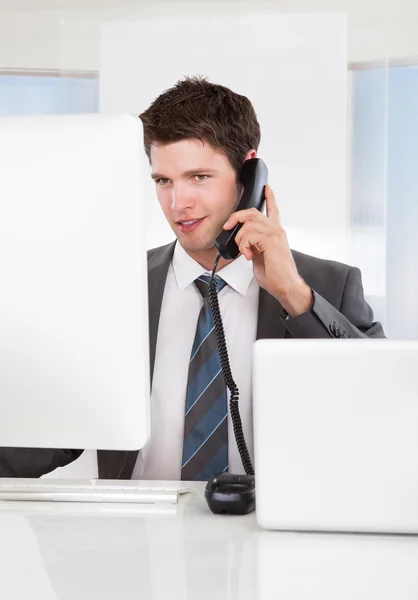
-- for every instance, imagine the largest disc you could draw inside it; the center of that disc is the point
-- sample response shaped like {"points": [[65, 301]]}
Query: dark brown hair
{"points": [[212, 113]]}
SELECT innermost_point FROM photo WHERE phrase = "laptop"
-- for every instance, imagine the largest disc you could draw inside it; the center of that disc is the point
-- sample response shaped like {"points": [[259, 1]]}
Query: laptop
{"points": [[335, 435]]}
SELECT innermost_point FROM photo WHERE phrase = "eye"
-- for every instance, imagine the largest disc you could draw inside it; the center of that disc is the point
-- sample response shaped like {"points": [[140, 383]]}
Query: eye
{"points": [[162, 181], [201, 177]]}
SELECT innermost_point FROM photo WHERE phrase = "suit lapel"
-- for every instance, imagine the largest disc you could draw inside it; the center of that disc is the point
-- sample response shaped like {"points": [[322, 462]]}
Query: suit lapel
{"points": [[119, 464], [158, 265]]}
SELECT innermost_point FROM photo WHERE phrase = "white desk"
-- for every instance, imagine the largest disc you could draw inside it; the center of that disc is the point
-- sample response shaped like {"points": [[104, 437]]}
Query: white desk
{"points": [[87, 552]]}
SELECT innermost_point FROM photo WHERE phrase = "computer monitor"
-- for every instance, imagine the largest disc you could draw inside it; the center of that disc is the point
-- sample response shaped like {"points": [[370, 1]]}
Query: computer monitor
{"points": [[335, 435], [74, 365]]}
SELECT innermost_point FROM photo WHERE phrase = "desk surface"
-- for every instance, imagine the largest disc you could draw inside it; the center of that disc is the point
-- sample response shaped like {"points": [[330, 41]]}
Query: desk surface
{"points": [[57, 551]]}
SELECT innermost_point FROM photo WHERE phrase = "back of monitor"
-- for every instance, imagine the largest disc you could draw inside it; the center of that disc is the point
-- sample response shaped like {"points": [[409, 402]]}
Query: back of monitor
{"points": [[74, 366]]}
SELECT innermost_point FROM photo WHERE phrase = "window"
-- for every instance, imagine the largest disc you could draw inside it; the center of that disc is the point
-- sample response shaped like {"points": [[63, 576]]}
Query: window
{"points": [[384, 199], [47, 92]]}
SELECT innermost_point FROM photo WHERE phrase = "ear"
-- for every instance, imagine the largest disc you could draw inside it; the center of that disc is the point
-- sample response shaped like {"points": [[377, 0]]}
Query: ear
{"points": [[251, 154]]}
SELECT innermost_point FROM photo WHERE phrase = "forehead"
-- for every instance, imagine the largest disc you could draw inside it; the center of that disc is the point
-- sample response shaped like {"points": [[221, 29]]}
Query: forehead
{"points": [[185, 155]]}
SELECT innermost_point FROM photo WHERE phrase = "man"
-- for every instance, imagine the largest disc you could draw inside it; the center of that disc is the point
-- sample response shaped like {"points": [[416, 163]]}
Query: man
{"points": [[197, 136]]}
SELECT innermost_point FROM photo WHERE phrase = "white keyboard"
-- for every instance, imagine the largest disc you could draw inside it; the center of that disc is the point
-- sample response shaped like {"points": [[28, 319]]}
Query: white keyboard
{"points": [[92, 490]]}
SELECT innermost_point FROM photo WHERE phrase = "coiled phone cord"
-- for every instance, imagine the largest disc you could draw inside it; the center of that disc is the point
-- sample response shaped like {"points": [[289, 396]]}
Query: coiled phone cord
{"points": [[226, 370]]}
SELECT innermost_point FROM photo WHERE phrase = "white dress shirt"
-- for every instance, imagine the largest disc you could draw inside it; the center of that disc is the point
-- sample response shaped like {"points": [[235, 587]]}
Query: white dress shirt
{"points": [[238, 301]]}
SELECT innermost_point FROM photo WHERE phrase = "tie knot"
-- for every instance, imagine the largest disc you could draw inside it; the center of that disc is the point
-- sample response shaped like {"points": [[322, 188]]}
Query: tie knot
{"points": [[202, 284]]}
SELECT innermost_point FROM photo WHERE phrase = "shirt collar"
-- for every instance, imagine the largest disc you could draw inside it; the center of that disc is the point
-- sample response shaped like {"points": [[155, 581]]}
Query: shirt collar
{"points": [[237, 274]]}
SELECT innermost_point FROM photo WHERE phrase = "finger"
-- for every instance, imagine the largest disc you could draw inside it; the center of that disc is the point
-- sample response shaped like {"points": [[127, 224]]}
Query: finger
{"points": [[251, 242], [271, 204], [242, 216], [253, 230], [245, 249]]}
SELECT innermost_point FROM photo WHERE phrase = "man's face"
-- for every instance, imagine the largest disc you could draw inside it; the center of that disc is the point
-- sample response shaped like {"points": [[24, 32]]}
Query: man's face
{"points": [[197, 190]]}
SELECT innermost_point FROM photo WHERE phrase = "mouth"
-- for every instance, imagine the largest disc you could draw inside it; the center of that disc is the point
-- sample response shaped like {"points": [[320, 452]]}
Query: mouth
{"points": [[190, 225]]}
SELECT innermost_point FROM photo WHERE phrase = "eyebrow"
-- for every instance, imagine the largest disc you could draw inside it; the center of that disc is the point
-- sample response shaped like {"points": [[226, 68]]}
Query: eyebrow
{"points": [[189, 173]]}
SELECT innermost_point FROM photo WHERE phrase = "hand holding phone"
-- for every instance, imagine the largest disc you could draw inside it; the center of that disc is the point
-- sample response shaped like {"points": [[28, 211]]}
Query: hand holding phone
{"points": [[253, 175]]}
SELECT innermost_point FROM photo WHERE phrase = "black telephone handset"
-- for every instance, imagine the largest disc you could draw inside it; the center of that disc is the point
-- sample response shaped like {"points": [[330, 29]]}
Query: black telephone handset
{"points": [[253, 176], [227, 493]]}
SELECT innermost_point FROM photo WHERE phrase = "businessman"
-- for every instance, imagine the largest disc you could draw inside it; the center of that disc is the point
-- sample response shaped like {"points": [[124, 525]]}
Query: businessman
{"points": [[197, 136]]}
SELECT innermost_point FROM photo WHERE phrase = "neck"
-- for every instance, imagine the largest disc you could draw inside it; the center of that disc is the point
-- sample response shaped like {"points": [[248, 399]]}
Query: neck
{"points": [[206, 258]]}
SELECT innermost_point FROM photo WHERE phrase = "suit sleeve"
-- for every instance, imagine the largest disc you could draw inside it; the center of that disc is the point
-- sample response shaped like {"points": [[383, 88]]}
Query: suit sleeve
{"points": [[34, 462], [354, 319]]}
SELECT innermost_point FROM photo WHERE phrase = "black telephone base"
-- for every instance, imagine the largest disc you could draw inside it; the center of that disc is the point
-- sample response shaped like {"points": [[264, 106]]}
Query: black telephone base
{"points": [[231, 494]]}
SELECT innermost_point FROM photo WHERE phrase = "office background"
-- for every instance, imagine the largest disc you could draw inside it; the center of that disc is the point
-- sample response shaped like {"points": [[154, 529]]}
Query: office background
{"points": [[50, 59]]}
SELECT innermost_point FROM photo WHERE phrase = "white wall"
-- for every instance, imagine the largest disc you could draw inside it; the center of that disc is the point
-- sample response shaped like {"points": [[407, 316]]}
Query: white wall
{"points": [[68, 37]]}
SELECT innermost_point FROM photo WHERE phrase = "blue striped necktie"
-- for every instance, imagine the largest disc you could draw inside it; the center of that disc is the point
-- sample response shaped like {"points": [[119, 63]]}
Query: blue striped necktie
{"points": [[205, 446]]}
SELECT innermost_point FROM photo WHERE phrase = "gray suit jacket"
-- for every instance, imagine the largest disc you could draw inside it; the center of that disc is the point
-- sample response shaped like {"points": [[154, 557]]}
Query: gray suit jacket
{"points": [[339, 310]]}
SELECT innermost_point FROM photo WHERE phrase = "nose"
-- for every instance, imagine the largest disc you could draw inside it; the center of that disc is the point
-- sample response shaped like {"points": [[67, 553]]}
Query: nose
{"points": [[181, 198]]}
